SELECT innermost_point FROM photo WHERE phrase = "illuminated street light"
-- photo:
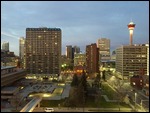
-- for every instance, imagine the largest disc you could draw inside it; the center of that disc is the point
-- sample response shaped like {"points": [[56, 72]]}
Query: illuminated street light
{"points": [[135, 100]]}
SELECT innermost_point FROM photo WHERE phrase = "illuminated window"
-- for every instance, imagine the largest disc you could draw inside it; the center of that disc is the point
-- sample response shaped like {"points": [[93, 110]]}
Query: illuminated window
{"points": [[143, 55], [133, 83]]}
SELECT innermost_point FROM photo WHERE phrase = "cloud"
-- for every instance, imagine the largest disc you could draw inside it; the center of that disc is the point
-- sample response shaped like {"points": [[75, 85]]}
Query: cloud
{"points": [[82, 23], [9, 35]]}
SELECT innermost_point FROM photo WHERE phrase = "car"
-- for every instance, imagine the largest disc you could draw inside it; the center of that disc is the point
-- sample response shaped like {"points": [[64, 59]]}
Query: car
{"points": [[49, 110]]}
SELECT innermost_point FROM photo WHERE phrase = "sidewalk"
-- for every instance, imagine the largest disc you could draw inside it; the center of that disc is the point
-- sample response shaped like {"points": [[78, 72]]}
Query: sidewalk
{"points": [[85, 109], [141, 93], [107, 99], [116, 91]]}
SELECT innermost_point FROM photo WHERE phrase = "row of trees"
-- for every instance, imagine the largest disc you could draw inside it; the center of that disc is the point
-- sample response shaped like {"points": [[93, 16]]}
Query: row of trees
{"points": [[78, 92]]}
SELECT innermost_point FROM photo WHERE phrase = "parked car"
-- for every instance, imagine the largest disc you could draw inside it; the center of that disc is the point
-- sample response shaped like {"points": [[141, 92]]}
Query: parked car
{"points": [[49, 110]]}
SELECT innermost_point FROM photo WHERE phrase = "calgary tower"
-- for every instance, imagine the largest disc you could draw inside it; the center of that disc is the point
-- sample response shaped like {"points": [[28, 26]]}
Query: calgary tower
{"points": [[131, 27]]}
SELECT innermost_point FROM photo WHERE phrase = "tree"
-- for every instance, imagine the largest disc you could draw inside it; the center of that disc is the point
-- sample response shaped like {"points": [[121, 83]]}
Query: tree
{"points": [[83, 80], [16, 100], [98, 77], [81, 94], [73, 97], [103, 75], [77, 94], [120, 96], [75, 81]]}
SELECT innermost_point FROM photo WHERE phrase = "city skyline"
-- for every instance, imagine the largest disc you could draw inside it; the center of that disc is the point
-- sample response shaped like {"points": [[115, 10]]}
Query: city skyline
{"points": [[82, 23]]}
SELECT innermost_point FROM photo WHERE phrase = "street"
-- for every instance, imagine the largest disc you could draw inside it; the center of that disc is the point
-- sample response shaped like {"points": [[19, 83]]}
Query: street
{"points": [[136, 96], [67, 109]]}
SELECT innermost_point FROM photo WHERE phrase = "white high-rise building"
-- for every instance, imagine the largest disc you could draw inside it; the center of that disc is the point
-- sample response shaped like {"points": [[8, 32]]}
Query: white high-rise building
{"points": [[5, 46], [21, 47], [147, 59], [104, 48], [130, 59]]}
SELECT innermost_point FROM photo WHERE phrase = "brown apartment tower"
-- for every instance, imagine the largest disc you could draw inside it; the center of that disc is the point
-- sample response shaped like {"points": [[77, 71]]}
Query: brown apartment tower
{"points": [[92, 58], [43, 51]]}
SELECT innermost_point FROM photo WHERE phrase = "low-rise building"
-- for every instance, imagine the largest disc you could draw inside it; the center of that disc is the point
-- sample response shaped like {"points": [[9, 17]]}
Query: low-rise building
{"points": [[79, 59], [137, 82], [10, 74]]}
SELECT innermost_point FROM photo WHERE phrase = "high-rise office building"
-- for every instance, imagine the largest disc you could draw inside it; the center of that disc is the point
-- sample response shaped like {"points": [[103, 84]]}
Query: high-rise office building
{"points": [[21, 47], [43, 51], [69, 51], [5, 46], [104, 49], [76, 49], [22, 51], [147, 59], [130, 59], [92, 58]]}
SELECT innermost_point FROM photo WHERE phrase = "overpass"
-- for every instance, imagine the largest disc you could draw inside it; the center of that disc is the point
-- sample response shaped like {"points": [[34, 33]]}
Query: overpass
{"points": [[31, 105]]}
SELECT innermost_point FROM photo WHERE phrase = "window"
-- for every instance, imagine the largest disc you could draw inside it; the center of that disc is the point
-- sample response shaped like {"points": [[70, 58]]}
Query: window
{"points": [[133, 83]]}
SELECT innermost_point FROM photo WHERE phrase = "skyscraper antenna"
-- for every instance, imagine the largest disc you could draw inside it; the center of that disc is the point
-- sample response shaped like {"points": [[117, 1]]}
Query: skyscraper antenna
{"points": [[131, 19]]}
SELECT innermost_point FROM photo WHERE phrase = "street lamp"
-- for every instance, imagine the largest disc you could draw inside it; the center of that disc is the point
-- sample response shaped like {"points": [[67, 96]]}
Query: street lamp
{"points": [[135, 101]]}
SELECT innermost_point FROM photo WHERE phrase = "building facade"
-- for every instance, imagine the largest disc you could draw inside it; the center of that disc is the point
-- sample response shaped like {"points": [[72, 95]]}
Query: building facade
{"points": [[43, 51], [92, 58], [104, 49], [10, 74], [129, 59], [21, 47], [76, 49], [22, 51], [79, 59], [69, 52], [5, 46], [147, 59]]}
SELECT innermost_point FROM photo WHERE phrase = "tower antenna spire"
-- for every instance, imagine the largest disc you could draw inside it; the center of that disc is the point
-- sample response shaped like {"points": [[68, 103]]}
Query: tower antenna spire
{"points": [[131, 27]]}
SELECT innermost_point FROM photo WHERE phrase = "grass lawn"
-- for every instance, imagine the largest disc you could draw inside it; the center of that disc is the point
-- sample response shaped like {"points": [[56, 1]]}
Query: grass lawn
{"points": [[90, 102], [107, 90], [103, 104]]}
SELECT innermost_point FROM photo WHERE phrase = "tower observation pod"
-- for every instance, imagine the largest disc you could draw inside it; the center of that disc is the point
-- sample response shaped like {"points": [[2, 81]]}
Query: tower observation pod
{"points": [[131, 27]]}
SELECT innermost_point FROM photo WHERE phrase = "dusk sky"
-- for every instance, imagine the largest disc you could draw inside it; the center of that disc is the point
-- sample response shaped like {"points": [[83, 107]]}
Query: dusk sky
{"points": [[82, 23]]}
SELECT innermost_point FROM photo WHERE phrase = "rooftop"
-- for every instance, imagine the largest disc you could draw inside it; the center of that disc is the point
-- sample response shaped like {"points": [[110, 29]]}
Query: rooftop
{"points": [[7, 67], [131, 23], [10, 88], [42, 28]]}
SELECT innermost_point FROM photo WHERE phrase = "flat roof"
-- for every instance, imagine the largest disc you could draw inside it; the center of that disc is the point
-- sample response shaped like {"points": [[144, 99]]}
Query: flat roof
{"points": [[108, 61], [9, 88], [7, 67]]}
